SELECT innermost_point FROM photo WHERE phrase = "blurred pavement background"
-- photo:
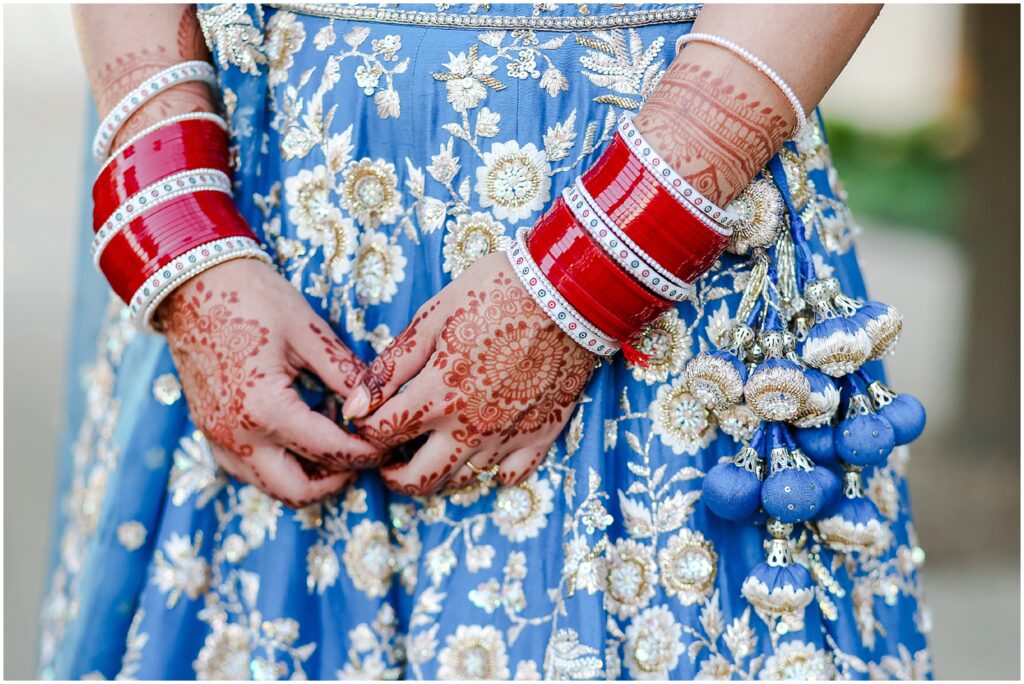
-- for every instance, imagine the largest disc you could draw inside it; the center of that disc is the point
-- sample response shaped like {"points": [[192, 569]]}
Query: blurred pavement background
{"points": [[923, 112]]}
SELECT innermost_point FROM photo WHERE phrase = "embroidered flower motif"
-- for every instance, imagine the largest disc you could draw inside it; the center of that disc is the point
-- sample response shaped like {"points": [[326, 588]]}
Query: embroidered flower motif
{"points": [[379, 267], [368, 76], [430, 212], [688, 567], [285, 37], [167, 389], [467, 79], [387, 47], [653, 644], [632, 577], [131, 535], [520, 512], [668, 347], [473, 652], [322, 567], [259, 514], [514, 180], [369, 191], [195, 471], [179, 569], [308, 195], [524, 66], [585, 568], [469, 237], [224, 655], [798, 661], [680, 420], [368, 558]]}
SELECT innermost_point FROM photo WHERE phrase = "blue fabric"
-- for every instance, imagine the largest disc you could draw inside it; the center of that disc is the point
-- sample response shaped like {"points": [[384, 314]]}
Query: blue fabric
{"points": [[605, 563]]}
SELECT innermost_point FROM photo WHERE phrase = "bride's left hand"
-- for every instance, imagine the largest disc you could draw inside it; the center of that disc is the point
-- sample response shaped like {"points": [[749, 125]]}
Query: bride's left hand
{"points": [[490, 376]]}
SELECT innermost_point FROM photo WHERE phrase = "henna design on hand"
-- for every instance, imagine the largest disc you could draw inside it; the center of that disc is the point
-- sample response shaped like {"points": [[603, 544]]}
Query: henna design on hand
{"points": [[214, 351], [714, 135], [191, 42], [338, 354], [427, 482], [509, 368], [382, 369], [398, 429]]}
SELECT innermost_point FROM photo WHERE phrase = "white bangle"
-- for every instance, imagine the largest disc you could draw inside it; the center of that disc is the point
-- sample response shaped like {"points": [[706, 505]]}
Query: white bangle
{"points": [[551, 302], [746, 56], [707, 212], [151, 87], [191, 116], [158, 286], [164, 190], [620, 247]]}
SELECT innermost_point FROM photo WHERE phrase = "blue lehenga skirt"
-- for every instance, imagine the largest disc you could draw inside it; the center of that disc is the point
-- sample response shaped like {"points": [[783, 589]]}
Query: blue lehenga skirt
{"points": [[377, 149]]}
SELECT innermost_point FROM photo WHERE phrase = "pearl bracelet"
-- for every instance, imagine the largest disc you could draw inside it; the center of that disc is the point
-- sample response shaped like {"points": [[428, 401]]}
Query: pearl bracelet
{"points": [[746, 56], [620, 247], [547, 297], [158, 286], [164, 190], [150, 88], [714, 217], [191, 116]]}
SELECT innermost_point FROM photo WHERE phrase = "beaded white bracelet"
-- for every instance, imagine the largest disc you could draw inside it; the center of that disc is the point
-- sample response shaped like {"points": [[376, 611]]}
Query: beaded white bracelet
{"points": [[746, 56], [164, 190], [620, 247], [193, 262], [191, 116], [547, 297], [707, 212], [152, 86]]}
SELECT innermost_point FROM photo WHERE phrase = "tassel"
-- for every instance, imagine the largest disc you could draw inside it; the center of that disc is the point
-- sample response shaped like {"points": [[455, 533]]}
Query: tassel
{"points": [[822, 402], [835, 345], [863, 438], [854, 524], [634, 355], [779, 588], [759, 207], [732, 490], [904, 411], [777, 389], [883, 324], [826, 480], [716, 378], [791, 492], [818, 443]]}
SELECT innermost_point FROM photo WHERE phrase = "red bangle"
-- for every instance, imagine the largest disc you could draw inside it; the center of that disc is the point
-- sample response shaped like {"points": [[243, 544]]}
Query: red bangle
{"points": [[195, 144], [645, 211], [559, 241], [156, 238]]}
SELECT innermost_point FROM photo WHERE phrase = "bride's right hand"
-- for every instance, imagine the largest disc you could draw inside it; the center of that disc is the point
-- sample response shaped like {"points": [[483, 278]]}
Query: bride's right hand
{"points": [[239, 335]]}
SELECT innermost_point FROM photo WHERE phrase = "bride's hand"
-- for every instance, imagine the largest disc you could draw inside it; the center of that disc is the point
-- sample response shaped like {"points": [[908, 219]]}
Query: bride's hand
{"points": [[239, 335], [490, 376]]}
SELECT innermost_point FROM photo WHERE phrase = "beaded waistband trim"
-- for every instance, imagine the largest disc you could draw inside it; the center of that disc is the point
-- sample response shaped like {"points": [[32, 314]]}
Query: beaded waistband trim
{"points": [[626, 19]]}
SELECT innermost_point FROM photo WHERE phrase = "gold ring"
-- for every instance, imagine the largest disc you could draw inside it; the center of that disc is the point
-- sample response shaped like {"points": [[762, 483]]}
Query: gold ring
{"points": [[485, 476]]}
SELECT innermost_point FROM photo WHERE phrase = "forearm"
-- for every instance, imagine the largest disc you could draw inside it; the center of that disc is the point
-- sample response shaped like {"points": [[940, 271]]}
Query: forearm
{"points": [[123, 44], [716, 119]]}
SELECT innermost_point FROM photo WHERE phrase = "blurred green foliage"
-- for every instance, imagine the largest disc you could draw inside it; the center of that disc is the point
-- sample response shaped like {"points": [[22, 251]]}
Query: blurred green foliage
{"points": [[907, 180]]}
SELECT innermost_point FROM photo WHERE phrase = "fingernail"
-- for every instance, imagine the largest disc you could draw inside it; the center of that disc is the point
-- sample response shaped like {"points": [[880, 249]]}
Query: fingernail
{"points": [[357, 404]]}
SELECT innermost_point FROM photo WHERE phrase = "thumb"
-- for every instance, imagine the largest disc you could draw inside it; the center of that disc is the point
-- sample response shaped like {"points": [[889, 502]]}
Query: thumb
{"points": [[396, 365]]}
